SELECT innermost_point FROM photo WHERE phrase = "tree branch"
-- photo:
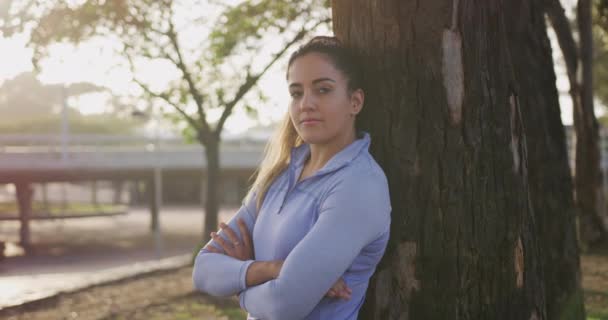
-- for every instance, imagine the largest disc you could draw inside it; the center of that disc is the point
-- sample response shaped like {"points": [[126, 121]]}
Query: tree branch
{"points": [[250, 80], [164, 96], [198, 98]]}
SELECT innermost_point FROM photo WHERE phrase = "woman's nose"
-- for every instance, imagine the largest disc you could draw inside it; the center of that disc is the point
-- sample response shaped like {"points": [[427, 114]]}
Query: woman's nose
{"points": [[307, 102]]}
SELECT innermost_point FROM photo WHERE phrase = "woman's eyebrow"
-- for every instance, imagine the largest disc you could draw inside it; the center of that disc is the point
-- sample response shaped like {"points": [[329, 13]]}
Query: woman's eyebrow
{"points": [[297, 84], [323, 79]]}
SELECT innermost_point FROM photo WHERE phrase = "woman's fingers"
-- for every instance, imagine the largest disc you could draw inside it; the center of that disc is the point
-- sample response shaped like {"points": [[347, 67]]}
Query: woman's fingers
{"points": [[342, 290], [340, 285], [244, 232], [231, 235], [339, 290], [212, 249], [227, 248]]}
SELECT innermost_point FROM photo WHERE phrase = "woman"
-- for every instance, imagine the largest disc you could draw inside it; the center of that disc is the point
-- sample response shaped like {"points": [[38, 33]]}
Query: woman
{"points": [[318, 214]]}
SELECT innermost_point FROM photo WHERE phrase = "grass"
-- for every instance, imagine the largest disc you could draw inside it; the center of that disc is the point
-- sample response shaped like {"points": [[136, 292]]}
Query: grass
{"points": [[9, 209], [594, 268], [190, 307], [596, 304]]}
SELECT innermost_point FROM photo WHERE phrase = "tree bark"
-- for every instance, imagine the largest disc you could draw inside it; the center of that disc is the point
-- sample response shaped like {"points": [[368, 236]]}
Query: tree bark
{"points": [[588, 175], [549, 174], [445, 120], [212, 154]]}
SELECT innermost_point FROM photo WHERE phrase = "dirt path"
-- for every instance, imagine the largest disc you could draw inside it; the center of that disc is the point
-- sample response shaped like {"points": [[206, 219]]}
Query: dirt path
{"points": [[143, 297], [170, 295]]}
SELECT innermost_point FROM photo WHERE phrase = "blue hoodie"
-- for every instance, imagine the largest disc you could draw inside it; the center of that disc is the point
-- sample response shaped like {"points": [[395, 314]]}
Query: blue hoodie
{"points": [[332, 224]]}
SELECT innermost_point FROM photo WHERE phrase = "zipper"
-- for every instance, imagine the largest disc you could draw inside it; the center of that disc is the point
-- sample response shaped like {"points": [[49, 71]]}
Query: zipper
{"points": [[299, 182], [291, 178]]}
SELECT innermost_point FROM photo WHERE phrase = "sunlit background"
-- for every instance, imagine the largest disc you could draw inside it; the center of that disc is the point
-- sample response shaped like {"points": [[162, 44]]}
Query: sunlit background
{"points": [[122, 176]]}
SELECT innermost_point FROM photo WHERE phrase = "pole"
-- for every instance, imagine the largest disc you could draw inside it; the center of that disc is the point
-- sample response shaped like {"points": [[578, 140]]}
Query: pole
{"points": [[158, 191]]}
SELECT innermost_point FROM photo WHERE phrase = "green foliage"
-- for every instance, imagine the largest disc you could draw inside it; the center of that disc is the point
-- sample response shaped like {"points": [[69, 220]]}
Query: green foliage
{"points": [[29, 106], [40, 209], [250, 20], [62, 22], [217, 74], [600, 52], [600, 68], [24, 97]]}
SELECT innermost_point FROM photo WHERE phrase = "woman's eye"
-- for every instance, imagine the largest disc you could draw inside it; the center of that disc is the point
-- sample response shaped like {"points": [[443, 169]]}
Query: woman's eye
{"points": [[324, 90]]}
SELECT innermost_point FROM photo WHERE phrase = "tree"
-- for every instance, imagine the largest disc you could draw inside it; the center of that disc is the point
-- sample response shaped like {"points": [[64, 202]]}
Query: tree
{"points": [[588, 180], [29, 106], [23, 97], [600, 49], [549, 177], [216, 72], [446, 120]]}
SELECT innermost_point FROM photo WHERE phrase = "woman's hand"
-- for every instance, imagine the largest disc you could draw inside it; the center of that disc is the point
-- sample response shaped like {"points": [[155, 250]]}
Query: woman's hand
{"points": [[242, 250], [339, 290]]}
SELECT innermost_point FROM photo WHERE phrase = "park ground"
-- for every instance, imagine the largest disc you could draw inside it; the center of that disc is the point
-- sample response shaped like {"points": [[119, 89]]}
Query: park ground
{"points": [[169, 294]]}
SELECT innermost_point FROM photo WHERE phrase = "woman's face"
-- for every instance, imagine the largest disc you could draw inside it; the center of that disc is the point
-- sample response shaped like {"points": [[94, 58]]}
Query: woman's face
{"points": [[322, 110]]}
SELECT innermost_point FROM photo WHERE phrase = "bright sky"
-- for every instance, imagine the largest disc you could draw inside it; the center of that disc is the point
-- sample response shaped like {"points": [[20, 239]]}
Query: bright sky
{"points": [[95, 61]]}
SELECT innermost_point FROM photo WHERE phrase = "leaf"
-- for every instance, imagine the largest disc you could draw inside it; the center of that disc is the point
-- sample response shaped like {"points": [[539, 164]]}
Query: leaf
{"points": [[249, 20], [251, 111]]}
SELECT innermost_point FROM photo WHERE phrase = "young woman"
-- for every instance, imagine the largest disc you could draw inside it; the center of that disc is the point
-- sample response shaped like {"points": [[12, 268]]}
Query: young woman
{"points": [[316, 221]]}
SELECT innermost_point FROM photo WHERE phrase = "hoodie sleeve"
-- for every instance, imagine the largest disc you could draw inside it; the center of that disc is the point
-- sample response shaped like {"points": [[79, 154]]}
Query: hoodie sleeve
{"points": [[218, 274]]}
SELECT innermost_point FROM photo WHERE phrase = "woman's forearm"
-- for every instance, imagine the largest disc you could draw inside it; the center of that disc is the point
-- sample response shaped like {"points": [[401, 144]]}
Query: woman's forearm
{"points": [[263, 271]]}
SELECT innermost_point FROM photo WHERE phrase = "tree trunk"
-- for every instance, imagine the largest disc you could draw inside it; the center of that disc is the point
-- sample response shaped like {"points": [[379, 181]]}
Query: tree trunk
{"points": [[25, 194], [590, 205], [549, 175], [588, 175], [212, 154], [445, 120]]}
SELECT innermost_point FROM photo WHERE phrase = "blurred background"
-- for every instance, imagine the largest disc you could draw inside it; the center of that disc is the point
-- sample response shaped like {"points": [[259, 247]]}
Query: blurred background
{"points": [[128, 129], [110, 114]]}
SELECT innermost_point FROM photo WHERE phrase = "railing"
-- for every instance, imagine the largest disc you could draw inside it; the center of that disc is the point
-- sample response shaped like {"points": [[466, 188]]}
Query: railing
{"points": [[118, 151], [90, 142]]}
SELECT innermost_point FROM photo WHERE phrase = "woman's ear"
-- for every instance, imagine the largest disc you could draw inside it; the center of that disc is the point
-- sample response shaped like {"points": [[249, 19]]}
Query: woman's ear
{"points": [[357, 99]]}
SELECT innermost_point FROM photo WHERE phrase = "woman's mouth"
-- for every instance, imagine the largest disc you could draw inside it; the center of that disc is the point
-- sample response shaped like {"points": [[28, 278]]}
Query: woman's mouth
{"points": [[309, 122]]}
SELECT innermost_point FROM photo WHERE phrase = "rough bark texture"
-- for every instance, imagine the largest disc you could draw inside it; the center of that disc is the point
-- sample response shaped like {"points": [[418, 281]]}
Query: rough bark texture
{"points": [[443, 112], [588, 175], [212, 154], [549, 176]]}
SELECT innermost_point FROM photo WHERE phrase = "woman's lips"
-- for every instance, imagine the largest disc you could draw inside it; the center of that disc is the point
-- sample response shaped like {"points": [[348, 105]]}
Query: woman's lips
{"points": [[309, 122]]}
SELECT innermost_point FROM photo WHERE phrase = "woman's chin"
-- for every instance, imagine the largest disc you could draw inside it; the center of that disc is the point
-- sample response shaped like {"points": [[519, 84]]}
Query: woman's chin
{"points": [[312, 138]]}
